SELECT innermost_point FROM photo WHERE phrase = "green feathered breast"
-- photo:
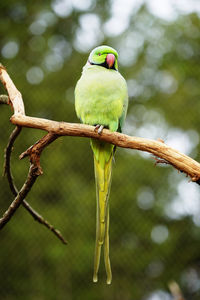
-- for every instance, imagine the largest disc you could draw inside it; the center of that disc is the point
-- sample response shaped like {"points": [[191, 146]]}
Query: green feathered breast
{"points": [[101, 97]]}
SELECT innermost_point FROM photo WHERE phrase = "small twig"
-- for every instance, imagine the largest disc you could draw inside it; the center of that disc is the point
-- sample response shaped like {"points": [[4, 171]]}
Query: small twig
{"points": [[7, 172], [161, 161], [7, 156], [35, 150], [42, 221]]}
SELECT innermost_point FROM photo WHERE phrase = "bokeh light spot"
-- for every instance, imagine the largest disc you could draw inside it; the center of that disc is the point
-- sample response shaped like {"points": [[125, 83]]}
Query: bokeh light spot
{"points": [[34, 75]]}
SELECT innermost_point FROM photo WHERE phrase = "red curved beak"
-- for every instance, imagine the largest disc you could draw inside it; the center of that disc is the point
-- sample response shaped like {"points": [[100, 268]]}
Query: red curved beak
{"points": [[110, 60]]}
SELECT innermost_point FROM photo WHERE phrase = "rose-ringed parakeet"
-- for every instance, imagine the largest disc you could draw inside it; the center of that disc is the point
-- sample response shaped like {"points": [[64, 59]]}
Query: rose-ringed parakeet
{"points": [[101, 99]]}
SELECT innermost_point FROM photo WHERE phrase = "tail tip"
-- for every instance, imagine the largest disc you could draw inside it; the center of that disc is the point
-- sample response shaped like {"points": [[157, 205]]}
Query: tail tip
{"points": [[95, 278]]}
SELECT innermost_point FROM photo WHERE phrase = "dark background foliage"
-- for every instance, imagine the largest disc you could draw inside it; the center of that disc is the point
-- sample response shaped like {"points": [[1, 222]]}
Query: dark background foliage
{"points": [[155, 211]]}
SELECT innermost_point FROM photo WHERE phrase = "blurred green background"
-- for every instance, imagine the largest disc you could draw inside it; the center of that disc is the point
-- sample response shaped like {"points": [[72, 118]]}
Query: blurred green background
{"points": [[155, 211]]}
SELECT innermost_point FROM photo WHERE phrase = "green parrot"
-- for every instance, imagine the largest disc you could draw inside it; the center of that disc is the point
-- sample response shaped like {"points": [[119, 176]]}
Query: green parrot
{"points": [[101, 99]]}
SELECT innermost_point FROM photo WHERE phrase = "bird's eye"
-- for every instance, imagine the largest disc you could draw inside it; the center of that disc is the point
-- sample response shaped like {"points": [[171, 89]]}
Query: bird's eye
{"points": [[99, 54]]}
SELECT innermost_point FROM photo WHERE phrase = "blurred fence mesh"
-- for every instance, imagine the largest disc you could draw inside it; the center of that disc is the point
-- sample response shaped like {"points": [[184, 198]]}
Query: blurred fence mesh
{"points": [[155, 210]]}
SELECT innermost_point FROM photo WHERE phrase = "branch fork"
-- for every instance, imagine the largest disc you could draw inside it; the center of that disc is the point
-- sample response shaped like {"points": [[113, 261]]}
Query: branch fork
{"points": [[35, 151], [14, 99]]}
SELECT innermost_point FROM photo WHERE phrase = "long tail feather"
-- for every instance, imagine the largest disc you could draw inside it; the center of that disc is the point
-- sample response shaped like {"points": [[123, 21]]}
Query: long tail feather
{"points": [[106, 251], [98, 245], [103, 154]]}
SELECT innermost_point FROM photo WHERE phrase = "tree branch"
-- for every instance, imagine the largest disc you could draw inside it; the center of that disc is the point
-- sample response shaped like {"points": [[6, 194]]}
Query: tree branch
{"points": [[7, 157], [44, 222], [159, 149], [15, 96], [32, 176], [7, 172]]}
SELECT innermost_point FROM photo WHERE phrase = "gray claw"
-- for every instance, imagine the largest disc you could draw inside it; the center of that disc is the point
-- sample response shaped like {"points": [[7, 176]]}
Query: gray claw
{"points": [[100, 129], [97, 127]]}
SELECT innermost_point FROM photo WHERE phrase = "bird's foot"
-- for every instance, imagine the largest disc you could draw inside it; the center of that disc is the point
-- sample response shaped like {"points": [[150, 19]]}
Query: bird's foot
{"points": [[99, 128]]}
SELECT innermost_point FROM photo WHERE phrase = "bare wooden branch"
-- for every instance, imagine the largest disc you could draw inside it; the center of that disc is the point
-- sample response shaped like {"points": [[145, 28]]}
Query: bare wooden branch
{"points": [[14, 95], [7, 172], [7, 156], [35, 170], [159, 149], [32, 176]]}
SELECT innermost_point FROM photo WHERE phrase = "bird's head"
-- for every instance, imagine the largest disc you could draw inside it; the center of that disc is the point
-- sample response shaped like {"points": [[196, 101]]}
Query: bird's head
{"points": [[104, 56]]}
